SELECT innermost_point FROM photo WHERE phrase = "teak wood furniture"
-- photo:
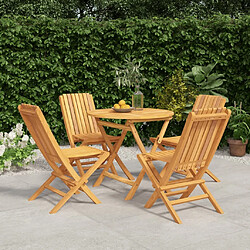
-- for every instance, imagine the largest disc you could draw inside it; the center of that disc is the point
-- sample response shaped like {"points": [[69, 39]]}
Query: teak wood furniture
{"points": [[145, 115], [60, 160], [81, 127], [201, 102], [199, 140]]}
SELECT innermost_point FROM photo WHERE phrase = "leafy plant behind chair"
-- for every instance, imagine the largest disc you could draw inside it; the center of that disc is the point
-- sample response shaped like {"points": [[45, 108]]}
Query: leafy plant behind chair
{"points": [[239, 123], [206, 83]]}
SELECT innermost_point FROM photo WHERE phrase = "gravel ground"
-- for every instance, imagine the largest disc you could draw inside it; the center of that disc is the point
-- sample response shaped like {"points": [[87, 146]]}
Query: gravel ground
{"points": [[125, 153]]}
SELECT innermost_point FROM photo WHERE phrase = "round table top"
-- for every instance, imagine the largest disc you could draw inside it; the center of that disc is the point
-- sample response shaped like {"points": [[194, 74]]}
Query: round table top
{"points": [[144, 115]]}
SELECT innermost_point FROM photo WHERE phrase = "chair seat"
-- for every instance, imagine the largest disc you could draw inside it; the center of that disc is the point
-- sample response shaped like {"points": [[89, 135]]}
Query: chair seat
{"points": [[81, 152], [165, 155], [168, 141], [93, 138]]}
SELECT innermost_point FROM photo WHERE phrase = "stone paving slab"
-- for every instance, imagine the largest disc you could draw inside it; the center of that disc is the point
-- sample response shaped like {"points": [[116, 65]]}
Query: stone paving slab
{"points": [[120, 224]]}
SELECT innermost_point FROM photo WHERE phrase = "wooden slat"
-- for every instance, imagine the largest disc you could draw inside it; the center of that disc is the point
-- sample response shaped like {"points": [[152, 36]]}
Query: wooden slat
{"points": [[55, 190], [72, 113], [114, 125], [85, 114], [90, 121], [80, 110], [189, 199], [172, 193], [77, 113], [210, 117], [91, 108], [182, 184]]}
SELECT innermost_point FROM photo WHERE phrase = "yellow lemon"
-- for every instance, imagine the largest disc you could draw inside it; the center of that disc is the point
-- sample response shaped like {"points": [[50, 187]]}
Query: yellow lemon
{"points": [[127, 106], [123, 106], [121, 102], [117, 106]]}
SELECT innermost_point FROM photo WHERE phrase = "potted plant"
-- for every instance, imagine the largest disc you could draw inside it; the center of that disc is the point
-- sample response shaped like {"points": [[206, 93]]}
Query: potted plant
{"points": [[129, 75], [239, 127]]}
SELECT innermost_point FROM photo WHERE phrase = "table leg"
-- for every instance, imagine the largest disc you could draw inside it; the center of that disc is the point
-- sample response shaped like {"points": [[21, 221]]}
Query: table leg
{"points": [[137, 182], [114, 149], [117, 158]]}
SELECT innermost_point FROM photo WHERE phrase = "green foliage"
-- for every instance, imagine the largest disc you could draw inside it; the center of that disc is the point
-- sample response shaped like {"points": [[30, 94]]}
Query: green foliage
{"points": [[43, 58], [16, 148], [239, 124], [176, 95], [206, 83], [31, 8], [129, 74], [113, 9]]}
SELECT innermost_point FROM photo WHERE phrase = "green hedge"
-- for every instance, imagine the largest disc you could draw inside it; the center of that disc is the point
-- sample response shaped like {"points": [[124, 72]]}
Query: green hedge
{"points": [[43, 58]]}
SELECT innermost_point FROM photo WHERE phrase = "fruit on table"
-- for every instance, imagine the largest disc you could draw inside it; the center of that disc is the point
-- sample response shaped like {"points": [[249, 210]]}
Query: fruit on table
{"points": [[122, 102], [122, 105], [117, 106]]}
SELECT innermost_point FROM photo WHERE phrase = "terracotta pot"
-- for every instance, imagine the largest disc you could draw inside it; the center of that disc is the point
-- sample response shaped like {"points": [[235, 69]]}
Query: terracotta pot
{"points": [[237, 147]]}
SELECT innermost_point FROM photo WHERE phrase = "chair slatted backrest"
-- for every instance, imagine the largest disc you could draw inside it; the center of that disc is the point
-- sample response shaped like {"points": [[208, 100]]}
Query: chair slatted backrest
{"points": [[76, 119], [199, 140], [209, 101], [45, 140]]}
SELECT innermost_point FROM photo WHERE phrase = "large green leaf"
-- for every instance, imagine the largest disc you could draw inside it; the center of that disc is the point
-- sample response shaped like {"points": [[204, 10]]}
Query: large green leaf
{"points": [[199, 77], [223, 91], [197, 70], [214, 76], [207, 69], [214, 84]]}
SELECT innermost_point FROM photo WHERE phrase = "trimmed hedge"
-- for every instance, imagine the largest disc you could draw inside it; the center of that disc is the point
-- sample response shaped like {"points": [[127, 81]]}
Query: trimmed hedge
{"points": [[43, 58]]}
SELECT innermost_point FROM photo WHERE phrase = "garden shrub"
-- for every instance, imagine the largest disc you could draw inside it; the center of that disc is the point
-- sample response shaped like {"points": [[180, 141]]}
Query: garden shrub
{"points": [[177, 96], [16, 148], [43, 58]]}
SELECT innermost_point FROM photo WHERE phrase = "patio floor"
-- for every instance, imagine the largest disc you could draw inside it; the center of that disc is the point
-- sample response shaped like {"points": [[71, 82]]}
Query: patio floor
{"points": [[120, 224]]}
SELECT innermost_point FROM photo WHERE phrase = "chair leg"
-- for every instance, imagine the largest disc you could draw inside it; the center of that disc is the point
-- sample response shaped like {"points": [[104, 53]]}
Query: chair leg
{"points": [[152, 199], [211, 198], [40, 190], [212, 175], [88, 192], [64, 199], [112, 167], [135, 186], [170, 207]]}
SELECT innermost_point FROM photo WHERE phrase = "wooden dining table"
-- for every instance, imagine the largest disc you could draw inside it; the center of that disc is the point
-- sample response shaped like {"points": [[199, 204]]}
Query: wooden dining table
{"points": [[135, 116]]}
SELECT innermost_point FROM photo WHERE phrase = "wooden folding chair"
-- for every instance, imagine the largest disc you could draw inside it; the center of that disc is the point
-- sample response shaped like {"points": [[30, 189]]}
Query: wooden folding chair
{"points": [[81, 127], [199, 140], [201, 102], [60, 159]]}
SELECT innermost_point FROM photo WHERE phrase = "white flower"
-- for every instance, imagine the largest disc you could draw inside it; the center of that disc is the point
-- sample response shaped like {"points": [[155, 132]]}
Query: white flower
{"points": [[1, 135], [2, 149], [32, 141], [5, 141], [19, 126], [11, 144], [7, 164], [19, 129], [12, 135], [25, 138], [22, 144]]}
